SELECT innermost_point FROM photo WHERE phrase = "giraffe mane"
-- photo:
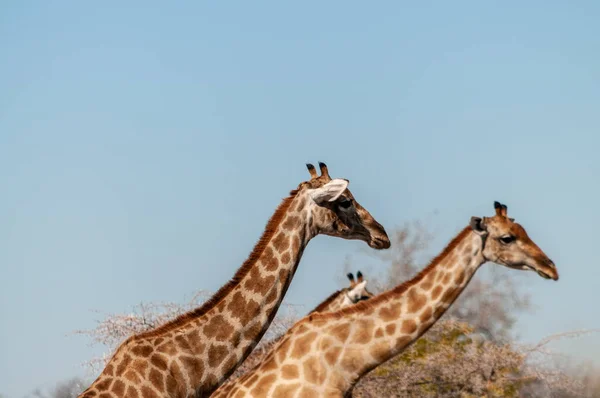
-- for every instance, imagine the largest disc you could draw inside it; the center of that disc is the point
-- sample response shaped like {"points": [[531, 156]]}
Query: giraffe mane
{"points": [[327, 301], [257, 251], [367, 304]]}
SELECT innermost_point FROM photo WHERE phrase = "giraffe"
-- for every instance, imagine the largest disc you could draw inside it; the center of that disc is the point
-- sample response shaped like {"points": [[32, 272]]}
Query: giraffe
{"points": [[325, 354], [193, 354], [356, 292]]}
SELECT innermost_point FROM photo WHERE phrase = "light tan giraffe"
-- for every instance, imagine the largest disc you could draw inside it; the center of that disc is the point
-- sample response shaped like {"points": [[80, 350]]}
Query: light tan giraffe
{"points": [[357, 291], [193, 354], [325, 354]]}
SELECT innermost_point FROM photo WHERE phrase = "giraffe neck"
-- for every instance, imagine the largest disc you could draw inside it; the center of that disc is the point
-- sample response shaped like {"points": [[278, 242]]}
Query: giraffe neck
{"points": [[327, 353], [387, 324], [334, 302], [199, 350], [238, 322]]}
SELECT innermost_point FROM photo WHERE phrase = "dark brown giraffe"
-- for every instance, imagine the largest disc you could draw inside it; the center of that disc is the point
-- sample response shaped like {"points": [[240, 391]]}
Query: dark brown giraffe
{"points": [[193, 354], [325, 354]]}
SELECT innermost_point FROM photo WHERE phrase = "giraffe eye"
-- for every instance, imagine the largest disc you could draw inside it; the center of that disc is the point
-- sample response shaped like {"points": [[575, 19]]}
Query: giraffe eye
{"points": [[345, 203], [507, 239]]}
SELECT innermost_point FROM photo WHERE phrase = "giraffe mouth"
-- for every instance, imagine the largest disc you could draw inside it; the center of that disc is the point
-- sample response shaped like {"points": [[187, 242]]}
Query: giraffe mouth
{"points": [[540, 272], [549, 273], [543, 274]]}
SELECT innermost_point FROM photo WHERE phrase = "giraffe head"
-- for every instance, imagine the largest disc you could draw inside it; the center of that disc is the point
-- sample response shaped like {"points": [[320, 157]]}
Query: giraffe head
{"points": [[507, 243], [335, 212], [357, 290]]}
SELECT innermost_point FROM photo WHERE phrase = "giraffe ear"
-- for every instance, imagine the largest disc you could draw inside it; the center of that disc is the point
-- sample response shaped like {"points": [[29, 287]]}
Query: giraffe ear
{"points": [[329, 192], [478, 226]]}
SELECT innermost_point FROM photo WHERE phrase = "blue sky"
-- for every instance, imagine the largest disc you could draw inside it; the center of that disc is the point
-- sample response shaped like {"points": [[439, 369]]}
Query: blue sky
{"points": [[144, 146]]}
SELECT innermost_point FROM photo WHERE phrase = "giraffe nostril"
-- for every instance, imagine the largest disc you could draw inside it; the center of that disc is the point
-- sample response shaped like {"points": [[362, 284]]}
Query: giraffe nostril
{"points": [[380, 243]]}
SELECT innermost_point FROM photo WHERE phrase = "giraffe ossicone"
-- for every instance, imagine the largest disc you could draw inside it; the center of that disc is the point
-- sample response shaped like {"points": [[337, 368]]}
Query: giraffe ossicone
{"points": [[193, 354], [326, 353]]}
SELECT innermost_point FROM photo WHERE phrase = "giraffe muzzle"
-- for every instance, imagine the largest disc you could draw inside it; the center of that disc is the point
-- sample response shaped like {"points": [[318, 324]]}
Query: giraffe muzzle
{"points": [[379, 243], [547, 271]]}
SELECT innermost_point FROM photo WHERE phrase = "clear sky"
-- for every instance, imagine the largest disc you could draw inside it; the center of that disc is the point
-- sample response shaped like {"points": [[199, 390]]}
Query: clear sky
{"points": [[144, 145]]}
